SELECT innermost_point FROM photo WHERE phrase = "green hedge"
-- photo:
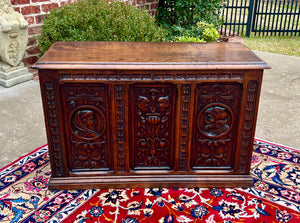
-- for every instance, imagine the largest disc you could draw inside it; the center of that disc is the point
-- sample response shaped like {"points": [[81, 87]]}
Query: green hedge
{"points": [[98, 20], [193, 20]]}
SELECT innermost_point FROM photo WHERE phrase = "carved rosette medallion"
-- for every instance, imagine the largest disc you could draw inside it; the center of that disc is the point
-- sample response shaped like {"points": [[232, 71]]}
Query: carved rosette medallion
{"points": [[217, 110], [86, 112], [153, 126]]}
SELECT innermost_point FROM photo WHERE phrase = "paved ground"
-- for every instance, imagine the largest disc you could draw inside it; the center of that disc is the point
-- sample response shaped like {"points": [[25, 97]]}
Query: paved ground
{"points": [[22, 122], [279, 109]]}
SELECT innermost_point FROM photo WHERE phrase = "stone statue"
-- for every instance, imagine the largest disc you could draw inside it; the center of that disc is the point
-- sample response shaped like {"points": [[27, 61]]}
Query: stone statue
{"points": [[13, 42]]}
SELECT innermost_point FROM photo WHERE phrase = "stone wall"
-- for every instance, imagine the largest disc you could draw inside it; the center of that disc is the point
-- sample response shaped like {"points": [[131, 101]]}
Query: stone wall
{"points": [[34, 10]]}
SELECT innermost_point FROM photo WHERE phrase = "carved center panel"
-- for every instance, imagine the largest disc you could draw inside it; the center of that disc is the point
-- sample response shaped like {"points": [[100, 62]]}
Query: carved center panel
{"points": [[153, 126]]}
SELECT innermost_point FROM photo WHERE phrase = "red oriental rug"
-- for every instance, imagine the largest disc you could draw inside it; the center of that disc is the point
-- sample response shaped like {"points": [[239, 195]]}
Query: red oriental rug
{"points": [[274, 197]]}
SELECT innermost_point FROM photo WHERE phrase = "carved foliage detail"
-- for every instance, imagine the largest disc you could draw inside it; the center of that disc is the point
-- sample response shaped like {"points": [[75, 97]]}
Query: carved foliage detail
{"points": [[216, 114], [86, 113], [153, 126], [54, 131], [13, 50], [246, 148], [185, 100], [157, 76], [120, 120]]}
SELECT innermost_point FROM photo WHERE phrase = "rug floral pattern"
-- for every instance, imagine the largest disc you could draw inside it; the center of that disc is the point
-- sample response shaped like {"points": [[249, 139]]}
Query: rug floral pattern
{"points": [[274, 197]]}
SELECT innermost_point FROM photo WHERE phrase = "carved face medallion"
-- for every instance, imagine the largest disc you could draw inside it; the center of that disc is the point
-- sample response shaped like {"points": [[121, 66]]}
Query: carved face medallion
{"points": [[87, 122], [215, 120]]}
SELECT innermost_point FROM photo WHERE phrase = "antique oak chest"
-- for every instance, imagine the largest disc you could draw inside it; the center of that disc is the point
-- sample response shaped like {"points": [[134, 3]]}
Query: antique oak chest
{"points": [[124, 114]]}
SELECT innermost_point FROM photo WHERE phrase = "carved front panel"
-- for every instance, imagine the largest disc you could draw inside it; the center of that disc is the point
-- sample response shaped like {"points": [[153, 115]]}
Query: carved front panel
{"points": [[152, 129], [216, 118], [86, 115]]}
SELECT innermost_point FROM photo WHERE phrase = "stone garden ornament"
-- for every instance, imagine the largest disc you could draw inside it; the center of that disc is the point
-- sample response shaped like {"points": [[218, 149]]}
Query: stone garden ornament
{"points": [[13, 42]]}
